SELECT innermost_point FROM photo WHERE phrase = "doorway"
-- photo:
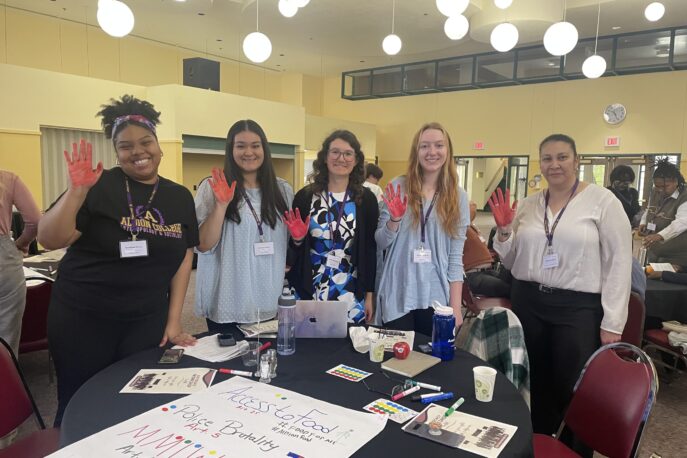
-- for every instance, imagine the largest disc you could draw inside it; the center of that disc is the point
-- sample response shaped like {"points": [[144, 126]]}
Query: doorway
{"points": [[480, 176]]}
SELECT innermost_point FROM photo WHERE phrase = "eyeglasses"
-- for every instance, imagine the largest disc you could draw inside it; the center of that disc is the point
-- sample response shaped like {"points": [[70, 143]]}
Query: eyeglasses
{"points": [[347, 155]]}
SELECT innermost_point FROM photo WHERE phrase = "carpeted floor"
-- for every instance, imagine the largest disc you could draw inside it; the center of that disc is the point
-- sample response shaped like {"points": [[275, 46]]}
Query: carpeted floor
{"points": [[662, 436]]}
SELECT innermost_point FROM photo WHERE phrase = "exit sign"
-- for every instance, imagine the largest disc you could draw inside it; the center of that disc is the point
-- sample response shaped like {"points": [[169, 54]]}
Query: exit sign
{"points": [[612, 141], [478, 146]]}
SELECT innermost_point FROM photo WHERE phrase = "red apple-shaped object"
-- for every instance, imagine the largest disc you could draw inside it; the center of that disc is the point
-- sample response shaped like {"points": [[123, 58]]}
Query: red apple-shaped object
{"points": [[401, 350]]}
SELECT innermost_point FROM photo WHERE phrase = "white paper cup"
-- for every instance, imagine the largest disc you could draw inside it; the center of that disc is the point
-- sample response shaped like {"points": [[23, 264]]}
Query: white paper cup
{"points": [[376, 349], [485, 377]]}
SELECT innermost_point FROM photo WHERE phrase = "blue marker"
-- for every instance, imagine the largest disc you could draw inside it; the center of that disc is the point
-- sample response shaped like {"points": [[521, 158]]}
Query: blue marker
{"points": [[437, 398]]}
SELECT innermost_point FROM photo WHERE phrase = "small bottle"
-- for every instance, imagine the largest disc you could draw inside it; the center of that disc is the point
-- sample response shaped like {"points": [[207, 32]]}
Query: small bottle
{"points": [[272, 357], [443, 329], [286, 331], [265, 369]]}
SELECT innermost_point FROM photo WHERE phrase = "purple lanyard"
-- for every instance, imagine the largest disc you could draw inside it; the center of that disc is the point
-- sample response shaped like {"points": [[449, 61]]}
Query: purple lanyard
{"points": [[338, 218], [549, 234], [131, 205], [425, 217], [255, 215]]}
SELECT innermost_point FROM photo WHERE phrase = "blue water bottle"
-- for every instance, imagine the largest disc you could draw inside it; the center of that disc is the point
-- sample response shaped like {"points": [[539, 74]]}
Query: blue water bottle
{"points": [[286, 316], [443, 338]]}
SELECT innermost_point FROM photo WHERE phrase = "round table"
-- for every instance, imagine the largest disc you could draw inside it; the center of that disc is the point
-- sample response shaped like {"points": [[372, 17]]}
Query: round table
{"points": [[665, 300], [98, 404]]}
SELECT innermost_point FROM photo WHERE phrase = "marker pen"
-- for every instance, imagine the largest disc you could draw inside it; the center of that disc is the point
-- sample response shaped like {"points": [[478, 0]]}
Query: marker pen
{"points": [[419, 397], [235, 372], [427, 386], [405, 393], [437, 398], [454, 407]]}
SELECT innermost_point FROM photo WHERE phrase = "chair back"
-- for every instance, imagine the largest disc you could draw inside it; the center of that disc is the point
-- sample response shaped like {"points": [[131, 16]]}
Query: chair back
{"points": [[16, 402], [468, 300], [634, 326], [612, 401], [34, 326]]}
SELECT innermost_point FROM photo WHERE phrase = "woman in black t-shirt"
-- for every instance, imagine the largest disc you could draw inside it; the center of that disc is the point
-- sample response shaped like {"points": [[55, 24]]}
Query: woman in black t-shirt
{"points": [[130, 233]]}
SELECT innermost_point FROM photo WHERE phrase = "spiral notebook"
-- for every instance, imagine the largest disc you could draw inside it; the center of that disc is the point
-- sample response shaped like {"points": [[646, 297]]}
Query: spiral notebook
{"points": [[415, 363]]}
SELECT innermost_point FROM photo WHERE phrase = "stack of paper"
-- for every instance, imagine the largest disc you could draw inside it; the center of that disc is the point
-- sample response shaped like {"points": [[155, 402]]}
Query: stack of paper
{"points": [[264, 329], [208, 349]]}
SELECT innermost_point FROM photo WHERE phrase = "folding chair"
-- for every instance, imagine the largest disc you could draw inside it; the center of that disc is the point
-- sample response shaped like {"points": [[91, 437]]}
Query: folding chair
{"points": [[34, 325], [17, 405], [610, 406], [657, 340], [634, 326]]}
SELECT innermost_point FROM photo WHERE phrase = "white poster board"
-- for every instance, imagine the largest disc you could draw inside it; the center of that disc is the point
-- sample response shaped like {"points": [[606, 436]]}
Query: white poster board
{"points": [[238, 417]]}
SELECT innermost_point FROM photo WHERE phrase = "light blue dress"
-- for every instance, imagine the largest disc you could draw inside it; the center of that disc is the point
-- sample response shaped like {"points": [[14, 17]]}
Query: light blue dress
{"points": [[232, 284], [404, 285]]}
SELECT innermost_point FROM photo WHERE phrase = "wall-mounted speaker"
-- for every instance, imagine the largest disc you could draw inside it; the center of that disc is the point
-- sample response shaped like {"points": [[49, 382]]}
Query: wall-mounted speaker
{"points": [[201, 73]]}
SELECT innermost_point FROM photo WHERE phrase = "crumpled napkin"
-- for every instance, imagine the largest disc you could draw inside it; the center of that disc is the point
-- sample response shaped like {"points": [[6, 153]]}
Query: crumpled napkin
{"points": [[359, 337]]}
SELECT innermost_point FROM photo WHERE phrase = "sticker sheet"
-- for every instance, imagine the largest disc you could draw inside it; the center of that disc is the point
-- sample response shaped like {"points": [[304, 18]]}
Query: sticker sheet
{"points": [[349, 373], [396, 412]]}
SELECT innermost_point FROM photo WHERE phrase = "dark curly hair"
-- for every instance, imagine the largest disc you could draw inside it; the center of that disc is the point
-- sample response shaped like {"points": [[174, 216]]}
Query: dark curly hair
{"points": [[663, 168], [127, 105], [622, 173], [273, 203], [319, 178]]}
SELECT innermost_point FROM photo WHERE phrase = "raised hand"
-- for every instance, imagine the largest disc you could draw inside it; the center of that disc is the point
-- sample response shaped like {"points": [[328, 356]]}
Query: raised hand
{"points": [[392, 199], [297, 227], [80, 165], [223, 192], [501, 208]]}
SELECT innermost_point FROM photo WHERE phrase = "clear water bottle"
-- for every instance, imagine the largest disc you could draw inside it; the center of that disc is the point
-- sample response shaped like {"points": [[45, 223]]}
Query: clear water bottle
{"points": [[443, 327], [286, 315]]}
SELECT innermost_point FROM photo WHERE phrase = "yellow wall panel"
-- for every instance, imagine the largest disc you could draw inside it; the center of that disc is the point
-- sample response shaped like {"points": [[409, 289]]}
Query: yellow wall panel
{"points": [[148, 64], [251, 81], [3, 41], [312, 95], [20, 153], [229, 77], [199, 166], [392, 169], [318, 128], [103, 55], [27, 46], [291, 88], [74, 48], [171, 166]]}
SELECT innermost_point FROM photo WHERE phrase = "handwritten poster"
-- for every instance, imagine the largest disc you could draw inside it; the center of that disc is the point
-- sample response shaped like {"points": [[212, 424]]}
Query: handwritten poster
{"points": [[170, 381], [238, 417]]}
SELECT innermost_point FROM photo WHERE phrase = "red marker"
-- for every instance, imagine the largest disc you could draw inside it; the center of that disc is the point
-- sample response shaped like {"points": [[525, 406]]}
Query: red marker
{"points": [[405, 393], [264, 346], [235, 372]]}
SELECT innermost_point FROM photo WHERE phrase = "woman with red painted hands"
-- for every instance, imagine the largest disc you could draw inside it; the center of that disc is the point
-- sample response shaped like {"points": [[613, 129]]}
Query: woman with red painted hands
{"points": [[130, 235], [424, 246], [243, 242], [569, 249], [334, 248]]}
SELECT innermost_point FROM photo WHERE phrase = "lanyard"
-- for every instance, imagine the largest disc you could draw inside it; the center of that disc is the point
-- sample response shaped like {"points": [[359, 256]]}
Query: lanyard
{"points": [[131, 205], [549, 234], [255, 215], [425, 217], [338, 218]]}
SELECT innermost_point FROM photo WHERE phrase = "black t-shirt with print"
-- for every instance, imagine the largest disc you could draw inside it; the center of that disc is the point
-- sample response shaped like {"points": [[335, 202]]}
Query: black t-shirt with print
{"points": [[93, 276]]}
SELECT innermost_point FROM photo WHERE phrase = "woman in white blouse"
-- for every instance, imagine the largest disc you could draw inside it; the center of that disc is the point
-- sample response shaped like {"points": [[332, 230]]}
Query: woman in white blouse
{"points": [[569, 249]]}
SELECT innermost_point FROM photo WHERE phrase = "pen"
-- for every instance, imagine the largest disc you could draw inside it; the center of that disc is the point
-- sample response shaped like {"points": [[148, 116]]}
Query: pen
{"points": [[454, 407], [264, 346], [437, 398], [235, 372], [405, 393], [419, 397]]}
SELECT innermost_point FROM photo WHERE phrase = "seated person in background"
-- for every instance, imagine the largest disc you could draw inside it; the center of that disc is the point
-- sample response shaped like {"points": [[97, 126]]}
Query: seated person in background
{"points": [[621, 178], [679, 276], [478, 263], [372, 176]]}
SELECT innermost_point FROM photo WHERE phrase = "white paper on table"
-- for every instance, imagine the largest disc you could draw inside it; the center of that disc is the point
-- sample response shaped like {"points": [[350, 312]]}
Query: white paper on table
{"points": [[48, 256], [170, 381], [264, 328], [238, 417], [394, 336], [36, 277], [208, 349], [662, 266]]}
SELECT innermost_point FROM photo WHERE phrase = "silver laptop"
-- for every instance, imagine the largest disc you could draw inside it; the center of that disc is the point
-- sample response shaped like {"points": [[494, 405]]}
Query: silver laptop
{"points": [[320, 319]]}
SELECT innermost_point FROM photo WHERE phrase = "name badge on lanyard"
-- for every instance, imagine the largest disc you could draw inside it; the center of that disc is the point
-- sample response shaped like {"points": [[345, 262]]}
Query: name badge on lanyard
{"points": [[133, 248], [333, 261], [260, 248], [651, 226], [422, 256], [263, 248], [550, 260]]}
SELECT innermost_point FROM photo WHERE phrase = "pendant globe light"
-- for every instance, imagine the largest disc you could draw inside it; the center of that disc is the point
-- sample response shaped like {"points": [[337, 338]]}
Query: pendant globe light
{"points": [[257, 46], [503, 4], [560, 38], [451, 8], [595, 65], [115, 18], [456, 27], [392, 43], [504, 37], [287, 8], [654, 11]]}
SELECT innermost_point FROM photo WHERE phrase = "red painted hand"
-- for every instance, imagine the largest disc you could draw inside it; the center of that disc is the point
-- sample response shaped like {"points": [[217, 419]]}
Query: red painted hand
{"points": [[397, 207], [297, 227], [223, 192], [80, 165], [501, 208]]}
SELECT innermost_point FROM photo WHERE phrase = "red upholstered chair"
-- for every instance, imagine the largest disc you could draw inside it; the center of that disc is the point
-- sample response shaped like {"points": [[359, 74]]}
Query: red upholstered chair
{"points": [[17, 405], [34, 325], [657, 340], [634, 326], [610, 406]]}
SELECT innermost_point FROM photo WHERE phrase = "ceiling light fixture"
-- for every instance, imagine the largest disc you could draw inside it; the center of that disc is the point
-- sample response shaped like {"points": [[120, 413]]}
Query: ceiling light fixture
{"points": [[115, 18], [456, 27], [595, 65], [288, 8], [504, 37], [392, 43], [560, 38], [257, 46], [654, 11], [451, 8], [503, 4], [301, 3]]}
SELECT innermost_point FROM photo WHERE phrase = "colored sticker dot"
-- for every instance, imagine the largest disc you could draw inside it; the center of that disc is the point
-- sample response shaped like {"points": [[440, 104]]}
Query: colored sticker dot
{"points": [[187, 442], [179, 438], [172, 406], [212, 452], [165, 409], [284, 399], [198, 446]]}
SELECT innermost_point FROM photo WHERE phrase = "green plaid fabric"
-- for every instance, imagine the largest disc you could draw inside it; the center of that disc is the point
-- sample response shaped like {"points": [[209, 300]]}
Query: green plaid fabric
{"points": [[496, 336]]}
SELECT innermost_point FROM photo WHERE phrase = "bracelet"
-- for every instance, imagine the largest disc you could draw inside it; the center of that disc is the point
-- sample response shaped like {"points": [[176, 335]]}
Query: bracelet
{"points": [[395, 220]]}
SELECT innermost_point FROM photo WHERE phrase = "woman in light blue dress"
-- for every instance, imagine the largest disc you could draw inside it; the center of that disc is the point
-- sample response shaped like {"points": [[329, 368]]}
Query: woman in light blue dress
{"points": [[242, 251]]}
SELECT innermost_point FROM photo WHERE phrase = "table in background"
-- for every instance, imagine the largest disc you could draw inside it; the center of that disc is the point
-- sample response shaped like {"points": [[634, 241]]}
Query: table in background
{"points": [[98, 404], [665, 300]]}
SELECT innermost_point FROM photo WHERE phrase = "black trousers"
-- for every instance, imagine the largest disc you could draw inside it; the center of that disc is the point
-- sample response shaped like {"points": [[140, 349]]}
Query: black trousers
{"points": [[415, 320], [492, 283], [83, 344], [561, 333]]}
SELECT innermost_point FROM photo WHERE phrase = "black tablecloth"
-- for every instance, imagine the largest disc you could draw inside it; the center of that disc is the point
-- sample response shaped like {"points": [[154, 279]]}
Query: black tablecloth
{"points": [[667, 301], [98, 404]]}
